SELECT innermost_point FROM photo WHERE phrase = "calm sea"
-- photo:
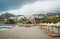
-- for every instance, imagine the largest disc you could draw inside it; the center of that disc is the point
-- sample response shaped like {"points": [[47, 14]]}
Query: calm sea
{"points": [[5, 26]]}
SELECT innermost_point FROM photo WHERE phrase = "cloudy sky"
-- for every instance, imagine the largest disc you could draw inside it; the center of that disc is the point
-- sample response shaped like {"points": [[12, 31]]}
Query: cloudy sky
{"points": [[29, 7]]}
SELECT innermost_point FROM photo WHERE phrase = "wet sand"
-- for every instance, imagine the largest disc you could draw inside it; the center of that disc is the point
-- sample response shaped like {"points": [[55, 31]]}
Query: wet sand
{"points": [[24, 33]]}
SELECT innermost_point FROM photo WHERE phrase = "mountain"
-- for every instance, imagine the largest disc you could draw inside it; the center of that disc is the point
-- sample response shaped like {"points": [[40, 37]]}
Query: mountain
{"points": [[53, 13], [6, 16]]}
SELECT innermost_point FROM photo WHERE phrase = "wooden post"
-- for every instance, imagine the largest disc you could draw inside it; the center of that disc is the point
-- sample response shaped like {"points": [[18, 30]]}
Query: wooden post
{"points": [[48, 29], [52, 29], [58, 32]]}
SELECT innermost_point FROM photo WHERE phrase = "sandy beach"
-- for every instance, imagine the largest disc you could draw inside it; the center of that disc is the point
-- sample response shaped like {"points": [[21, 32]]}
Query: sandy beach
{"points": [[24, 33]]}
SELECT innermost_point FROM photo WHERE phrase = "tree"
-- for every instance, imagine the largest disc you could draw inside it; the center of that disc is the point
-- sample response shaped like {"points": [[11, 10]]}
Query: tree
{"points": [[10, 21]]}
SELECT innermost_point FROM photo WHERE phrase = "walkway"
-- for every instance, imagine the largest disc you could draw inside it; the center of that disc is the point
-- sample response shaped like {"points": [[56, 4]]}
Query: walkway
{"points": [[24, 33]]}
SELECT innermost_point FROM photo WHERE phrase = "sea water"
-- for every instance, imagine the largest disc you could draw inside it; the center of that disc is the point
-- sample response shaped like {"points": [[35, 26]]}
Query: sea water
{"points": [[5, 26]]}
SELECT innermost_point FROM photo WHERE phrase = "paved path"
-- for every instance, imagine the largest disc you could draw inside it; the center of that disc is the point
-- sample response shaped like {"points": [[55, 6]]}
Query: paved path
{"points": [[24, 33]]}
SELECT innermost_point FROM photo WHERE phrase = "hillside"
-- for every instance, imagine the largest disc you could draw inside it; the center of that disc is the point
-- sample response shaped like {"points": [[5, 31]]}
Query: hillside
{"points": [[6, 16]]}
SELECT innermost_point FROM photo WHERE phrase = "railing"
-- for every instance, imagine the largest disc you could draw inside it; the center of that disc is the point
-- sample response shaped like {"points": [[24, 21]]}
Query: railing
{"points": [[52, 30]]}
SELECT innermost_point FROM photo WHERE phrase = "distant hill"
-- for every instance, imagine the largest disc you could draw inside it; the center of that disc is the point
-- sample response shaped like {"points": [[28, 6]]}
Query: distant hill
{"points": [[53, 13], [20, 15], [6, 16]]}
